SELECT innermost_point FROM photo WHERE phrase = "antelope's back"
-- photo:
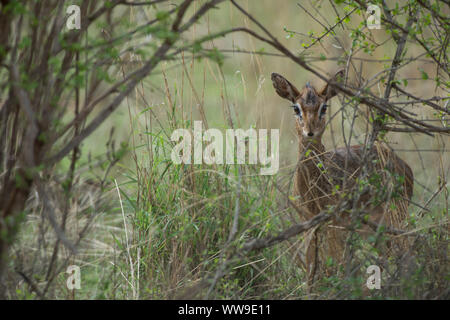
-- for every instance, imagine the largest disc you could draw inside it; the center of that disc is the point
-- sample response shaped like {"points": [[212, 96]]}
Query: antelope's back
{"points": [[345, 164]]}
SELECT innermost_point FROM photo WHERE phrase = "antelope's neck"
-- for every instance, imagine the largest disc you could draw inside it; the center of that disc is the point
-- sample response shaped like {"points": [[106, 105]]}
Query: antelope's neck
{"points": [[310, 184], [310, 149]]}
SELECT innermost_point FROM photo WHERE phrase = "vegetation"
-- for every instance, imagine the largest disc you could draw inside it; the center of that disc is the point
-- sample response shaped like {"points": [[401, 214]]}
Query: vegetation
{"points": [[86, 117]]}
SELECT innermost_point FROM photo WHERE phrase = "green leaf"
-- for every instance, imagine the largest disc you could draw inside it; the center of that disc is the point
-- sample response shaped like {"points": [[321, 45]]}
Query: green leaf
{"points": [[424, 74], [162, 15]]}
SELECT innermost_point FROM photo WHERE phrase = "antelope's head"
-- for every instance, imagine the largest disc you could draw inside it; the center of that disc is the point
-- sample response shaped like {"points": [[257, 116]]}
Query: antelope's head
{"points": [[310, 105]]}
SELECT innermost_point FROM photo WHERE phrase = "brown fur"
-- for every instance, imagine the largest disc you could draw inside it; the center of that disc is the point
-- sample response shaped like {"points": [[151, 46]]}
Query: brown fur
{"points": [[319, 172]]}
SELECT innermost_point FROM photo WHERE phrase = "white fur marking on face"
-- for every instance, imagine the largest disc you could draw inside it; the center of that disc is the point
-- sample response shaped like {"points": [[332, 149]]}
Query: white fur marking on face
{"points": [[299, 115], [323, 105]]}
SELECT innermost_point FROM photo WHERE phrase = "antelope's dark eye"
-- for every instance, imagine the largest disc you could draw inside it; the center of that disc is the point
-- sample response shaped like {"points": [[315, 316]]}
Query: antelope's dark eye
{"points": [[297, 110], [323, 110]]}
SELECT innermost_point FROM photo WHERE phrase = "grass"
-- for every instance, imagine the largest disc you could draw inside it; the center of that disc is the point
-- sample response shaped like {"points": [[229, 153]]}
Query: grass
{"points": [[159, 228], [179, 219]]}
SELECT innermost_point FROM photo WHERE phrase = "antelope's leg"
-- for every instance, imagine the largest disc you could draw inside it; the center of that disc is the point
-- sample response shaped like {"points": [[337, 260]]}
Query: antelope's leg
{"points": [[312, 258]]}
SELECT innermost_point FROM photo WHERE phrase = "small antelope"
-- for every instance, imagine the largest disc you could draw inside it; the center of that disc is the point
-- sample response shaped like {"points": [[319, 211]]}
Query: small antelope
{"points": [[322, 177]]}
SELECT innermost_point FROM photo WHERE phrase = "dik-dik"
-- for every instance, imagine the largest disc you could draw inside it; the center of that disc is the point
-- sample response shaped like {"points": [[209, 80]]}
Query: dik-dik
{"points": [[323, 178]]}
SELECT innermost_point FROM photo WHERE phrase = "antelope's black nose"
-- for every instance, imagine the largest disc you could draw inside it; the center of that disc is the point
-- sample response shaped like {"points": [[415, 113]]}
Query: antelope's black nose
{"points": [[310, 134]]}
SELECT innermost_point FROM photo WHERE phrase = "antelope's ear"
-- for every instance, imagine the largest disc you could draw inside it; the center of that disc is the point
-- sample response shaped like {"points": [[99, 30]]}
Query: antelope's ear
{"points": [[284, 88], [328, 91]]}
